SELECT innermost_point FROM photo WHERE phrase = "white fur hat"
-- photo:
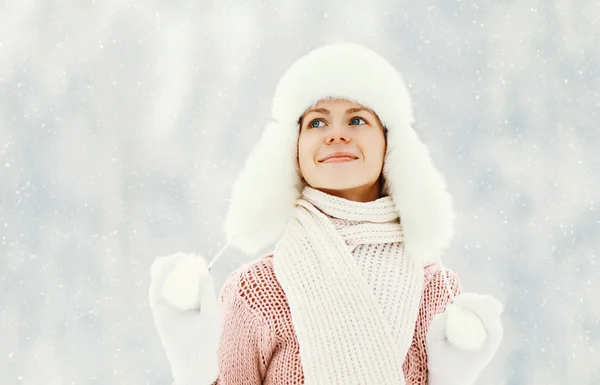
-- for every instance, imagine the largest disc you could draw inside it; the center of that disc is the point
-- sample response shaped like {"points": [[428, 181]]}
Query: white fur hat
{"points": [[263, 197]]}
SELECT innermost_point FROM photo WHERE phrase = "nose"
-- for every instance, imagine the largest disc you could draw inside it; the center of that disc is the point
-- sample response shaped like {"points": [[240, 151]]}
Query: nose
{"points": [[338, 133]]}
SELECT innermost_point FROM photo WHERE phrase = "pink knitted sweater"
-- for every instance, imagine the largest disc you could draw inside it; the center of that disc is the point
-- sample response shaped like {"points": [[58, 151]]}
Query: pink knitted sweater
{"points": [[258, 343]]}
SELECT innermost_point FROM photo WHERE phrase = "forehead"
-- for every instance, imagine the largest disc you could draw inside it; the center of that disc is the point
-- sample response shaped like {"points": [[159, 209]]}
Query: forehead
{"points": [[337, 103]]}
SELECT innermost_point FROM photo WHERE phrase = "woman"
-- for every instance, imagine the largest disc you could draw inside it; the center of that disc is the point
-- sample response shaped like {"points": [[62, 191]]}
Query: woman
{"points": [[354, 291]]}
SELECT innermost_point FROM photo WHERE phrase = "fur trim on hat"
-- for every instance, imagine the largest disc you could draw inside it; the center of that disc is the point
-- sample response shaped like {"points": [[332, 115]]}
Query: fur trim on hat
{"points": [[264, 195]]}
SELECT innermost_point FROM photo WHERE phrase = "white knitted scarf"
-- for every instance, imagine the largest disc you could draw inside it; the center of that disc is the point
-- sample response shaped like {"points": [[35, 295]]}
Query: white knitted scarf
{"points": [[342, 332]]}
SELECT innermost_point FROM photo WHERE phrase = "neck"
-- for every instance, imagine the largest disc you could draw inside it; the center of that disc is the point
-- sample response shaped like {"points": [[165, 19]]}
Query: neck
{"points": [[356, 194], [377, 211]]}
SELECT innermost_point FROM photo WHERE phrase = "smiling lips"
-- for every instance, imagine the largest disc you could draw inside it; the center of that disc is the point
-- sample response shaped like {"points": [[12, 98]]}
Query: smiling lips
{"points": [[338, 157]]}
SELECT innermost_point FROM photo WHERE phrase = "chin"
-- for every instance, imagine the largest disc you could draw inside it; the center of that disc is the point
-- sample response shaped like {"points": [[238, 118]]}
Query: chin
{"points": [[337, 187], [339, 184], [341, 178]]}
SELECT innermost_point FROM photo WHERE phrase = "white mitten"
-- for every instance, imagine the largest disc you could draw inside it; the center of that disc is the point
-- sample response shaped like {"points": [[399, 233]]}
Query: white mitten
{"points": [[187, 316], [462, 340]]}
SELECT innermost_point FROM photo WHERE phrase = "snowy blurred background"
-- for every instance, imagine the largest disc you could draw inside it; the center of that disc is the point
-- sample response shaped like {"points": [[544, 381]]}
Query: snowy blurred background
{"points": [[124, 123]]}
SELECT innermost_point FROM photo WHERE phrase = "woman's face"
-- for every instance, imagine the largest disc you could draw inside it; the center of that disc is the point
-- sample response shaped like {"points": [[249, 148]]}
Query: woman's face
{"points": [[341, 148]]}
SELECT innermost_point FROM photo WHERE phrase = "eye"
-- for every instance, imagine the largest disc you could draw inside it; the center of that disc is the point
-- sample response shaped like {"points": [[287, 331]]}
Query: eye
{"points": [[315, 123], [357, 121]]}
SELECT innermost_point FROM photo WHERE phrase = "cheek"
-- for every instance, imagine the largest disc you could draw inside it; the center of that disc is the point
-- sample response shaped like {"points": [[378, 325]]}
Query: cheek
{"points": [[376, 150], [305, 152]]}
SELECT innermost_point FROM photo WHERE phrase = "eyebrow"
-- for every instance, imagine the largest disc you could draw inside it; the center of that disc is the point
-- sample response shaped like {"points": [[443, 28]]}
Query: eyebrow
{"points": [[357, 109], [325, 111]]}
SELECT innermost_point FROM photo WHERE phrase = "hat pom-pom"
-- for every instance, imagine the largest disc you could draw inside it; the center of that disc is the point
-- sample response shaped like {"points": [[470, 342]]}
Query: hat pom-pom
{"points": [[182, 285], [464, 329]]}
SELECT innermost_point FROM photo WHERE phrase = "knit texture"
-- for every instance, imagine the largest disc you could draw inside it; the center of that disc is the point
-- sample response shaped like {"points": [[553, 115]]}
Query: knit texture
{"points": [[316, 269], [259, 341]]}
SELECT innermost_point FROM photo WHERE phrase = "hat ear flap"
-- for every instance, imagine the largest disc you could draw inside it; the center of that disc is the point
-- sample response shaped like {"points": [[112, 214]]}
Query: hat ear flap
{"points": [[419, 193], [264, 195]]}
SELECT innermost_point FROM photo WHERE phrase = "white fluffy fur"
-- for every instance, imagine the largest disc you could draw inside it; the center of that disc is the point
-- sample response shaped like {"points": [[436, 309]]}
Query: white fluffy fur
{"points": [[464, 339], [181, 288], [464, 329], [264, 194]]}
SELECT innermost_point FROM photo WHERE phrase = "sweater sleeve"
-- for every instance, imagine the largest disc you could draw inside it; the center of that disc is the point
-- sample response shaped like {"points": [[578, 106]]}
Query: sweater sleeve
{"points": [[434, 300], [245, 345]]}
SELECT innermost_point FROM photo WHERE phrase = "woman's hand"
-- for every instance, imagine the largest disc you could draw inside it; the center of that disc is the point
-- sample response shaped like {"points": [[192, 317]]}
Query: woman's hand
{"points": [[463, 340], [187, 317]]}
